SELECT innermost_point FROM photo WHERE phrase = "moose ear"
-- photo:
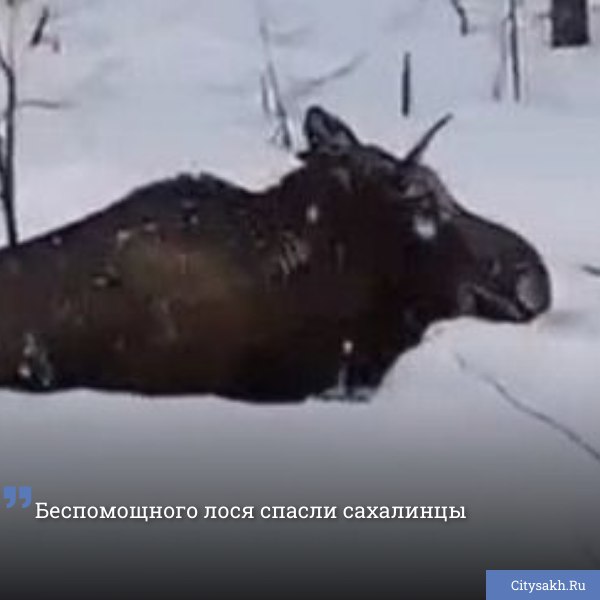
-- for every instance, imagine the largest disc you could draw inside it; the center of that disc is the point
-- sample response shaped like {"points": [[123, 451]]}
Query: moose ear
{"points": [[416, 154], [326, 134]]}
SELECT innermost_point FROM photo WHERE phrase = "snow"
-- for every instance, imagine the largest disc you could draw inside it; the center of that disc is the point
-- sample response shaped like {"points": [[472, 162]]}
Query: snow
{"points": [[155, 87], [425, 227]]}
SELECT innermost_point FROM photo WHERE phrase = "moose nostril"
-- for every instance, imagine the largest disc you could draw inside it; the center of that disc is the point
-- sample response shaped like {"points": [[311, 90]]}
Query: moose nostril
{"points": [[532, 291]]}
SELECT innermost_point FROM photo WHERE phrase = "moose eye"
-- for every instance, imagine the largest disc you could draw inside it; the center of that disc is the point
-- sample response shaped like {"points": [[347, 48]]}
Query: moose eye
{"points": [[413, 191], [409, 189], [495, 267]]}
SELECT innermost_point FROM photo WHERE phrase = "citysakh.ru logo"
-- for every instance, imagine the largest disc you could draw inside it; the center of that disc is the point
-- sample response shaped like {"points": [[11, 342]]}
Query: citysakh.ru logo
{"points": [[547, 586]]}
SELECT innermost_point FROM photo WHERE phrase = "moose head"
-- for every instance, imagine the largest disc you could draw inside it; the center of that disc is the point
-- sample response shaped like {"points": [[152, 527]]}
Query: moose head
{"points": [[451, 261]]}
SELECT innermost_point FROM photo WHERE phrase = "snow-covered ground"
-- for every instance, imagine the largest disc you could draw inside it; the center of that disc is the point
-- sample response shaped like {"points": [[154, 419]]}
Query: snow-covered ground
{"points": [[156, 87]]}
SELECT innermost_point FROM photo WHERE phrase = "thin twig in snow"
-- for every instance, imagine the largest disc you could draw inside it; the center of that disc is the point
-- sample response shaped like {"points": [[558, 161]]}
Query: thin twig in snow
{"points": [[534, 413], [515, 49], [36, 103], [39, 31], [463, 17], [592, 270], [283, 133]]}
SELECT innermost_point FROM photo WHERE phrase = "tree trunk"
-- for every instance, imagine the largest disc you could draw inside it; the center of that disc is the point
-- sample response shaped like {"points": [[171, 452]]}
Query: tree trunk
{"points": [[570, 23], [514, 47], [406, 91], [463, 17], [8, 175], [8, 139]]}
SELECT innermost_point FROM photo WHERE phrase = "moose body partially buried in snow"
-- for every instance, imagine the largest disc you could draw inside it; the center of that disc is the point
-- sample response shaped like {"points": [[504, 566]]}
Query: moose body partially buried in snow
{"points": [[194, 285]]}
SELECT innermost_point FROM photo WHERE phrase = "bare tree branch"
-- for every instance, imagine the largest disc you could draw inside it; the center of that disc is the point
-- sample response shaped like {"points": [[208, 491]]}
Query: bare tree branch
{"points": [[515, 49], [591, 270], [500, 78], [43, 104], [463, 17], [39, 31], [12, 105], [406, 91], [510, 55], [7, 142], [4, 65], [283, 133], [36, 104], [9, 151]]}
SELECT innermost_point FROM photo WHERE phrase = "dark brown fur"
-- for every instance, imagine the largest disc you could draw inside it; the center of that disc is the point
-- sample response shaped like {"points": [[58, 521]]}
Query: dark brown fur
{"points": [[193, 285]]}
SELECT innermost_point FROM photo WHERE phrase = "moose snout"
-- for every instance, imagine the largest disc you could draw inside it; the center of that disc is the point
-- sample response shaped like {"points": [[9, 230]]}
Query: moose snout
{"points": [[533, 291], [519, 297]]}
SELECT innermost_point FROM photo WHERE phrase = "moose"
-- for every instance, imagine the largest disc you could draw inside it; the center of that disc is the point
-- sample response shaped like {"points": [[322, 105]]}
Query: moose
{"points": [[194, 285]]}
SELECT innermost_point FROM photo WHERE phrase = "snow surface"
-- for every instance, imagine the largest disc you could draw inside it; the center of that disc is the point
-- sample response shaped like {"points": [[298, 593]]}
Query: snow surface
{"points": [[155, 87]]}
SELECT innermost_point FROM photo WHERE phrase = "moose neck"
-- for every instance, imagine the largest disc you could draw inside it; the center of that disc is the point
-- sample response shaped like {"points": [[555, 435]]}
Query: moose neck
{"points": [[300, 203]]}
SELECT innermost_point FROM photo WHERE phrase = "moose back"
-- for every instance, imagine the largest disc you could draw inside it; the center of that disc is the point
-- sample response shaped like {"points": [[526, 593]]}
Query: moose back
{"points": [[194, 285]]}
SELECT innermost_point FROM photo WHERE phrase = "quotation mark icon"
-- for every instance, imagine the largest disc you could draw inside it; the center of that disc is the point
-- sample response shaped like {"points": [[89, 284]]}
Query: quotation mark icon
{"points": [[13, 493]]}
